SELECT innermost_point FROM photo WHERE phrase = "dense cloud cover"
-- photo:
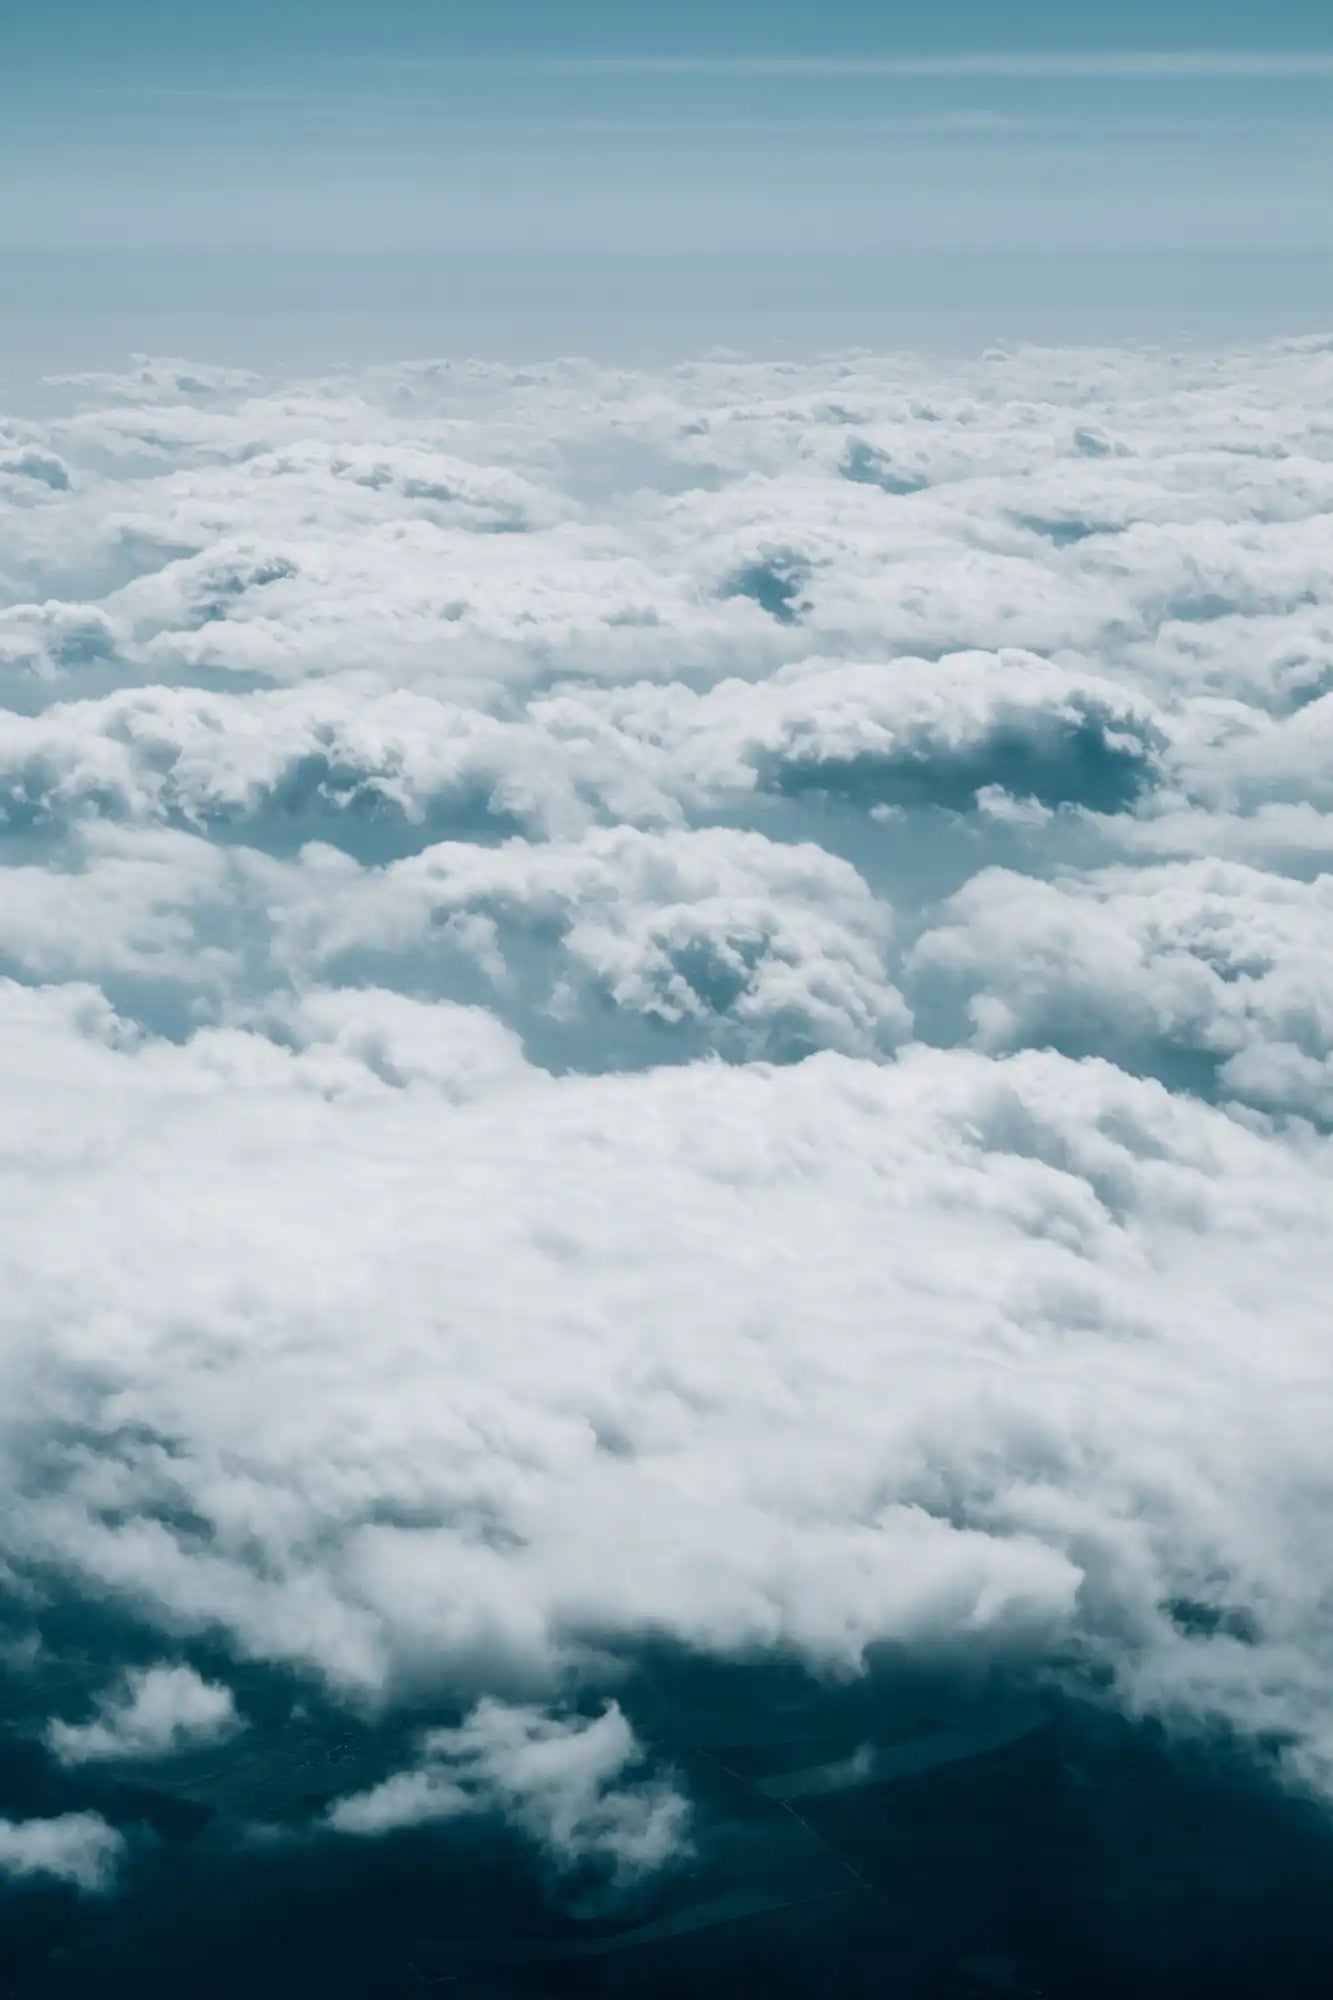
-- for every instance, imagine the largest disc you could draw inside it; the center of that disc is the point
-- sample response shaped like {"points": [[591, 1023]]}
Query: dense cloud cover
{"points": [[679, 1015]]}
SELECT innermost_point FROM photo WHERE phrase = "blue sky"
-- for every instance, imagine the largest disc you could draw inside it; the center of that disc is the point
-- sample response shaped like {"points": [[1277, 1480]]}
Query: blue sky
{"points": [[524, 125], [644, 130]]}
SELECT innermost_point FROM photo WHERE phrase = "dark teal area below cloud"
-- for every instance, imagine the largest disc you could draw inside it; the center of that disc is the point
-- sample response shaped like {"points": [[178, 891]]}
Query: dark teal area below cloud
{"points": [[1052, 1851]]}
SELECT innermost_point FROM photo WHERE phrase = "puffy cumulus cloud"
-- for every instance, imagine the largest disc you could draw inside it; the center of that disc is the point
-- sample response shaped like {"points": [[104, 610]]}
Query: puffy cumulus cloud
{"points": [[153, 378], [78, 1848], [26, 468], [574, 1785], [330, 761], [1255, 759], [717, 515], [153, 1712], [718, 940], [1210, 958], [39, 642], [478, 846], [758, 947], [481, 539], [344, 761], [906, 732], [122, 905], [356, 1038], [383, 1384]]}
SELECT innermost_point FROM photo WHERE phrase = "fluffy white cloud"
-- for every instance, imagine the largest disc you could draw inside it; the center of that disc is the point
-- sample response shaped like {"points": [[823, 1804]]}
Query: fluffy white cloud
{"points": [[122, 905], [384, 1384], [153, 1712], [1109, 506], [371, 769], [765, 949], [474, 1208], [906, 732], [573, 1785], [159, 377], [78, 1848], [1209, 957]]}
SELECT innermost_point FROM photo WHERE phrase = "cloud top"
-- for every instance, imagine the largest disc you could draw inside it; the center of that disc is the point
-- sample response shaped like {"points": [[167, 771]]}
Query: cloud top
{"points": [[154, 1712], [78, 1849], [650, 1017]]}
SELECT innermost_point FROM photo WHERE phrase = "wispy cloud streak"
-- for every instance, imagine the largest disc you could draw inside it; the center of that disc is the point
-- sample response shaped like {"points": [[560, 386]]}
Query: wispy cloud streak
{"points": [[1181, 65]]}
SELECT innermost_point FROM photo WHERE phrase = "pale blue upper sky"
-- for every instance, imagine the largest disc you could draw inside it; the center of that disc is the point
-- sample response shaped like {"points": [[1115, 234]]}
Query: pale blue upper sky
{"points": [[667, 128], [590, 126]]}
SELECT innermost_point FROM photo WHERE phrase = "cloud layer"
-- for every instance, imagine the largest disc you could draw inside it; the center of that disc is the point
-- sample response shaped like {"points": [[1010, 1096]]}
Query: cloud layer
{"points": [[680, 1012]]}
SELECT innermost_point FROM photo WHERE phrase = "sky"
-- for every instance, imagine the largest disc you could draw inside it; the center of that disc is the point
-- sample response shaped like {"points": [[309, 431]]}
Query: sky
{"points": [[666, 1000], [1190, 143]]}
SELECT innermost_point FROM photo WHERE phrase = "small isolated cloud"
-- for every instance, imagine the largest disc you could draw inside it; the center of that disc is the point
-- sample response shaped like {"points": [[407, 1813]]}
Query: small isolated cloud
{"points": [[78, 1848], [578, 1787], [153, 1712]]}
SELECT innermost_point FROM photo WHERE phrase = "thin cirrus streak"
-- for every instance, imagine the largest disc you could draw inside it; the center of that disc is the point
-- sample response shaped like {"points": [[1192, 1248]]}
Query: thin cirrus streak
{"points": [[1145, 65]]}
